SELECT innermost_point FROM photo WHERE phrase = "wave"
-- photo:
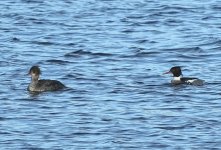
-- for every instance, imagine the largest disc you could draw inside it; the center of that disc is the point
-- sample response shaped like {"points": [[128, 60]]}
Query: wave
{"points": [[79, 53]]}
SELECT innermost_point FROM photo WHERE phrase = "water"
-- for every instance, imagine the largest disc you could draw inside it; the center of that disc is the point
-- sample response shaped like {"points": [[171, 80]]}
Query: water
{"points": [[112, 55]]}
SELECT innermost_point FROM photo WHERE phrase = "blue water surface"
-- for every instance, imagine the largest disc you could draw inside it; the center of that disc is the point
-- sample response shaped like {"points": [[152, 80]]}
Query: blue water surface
{"points": [[112, 55]]}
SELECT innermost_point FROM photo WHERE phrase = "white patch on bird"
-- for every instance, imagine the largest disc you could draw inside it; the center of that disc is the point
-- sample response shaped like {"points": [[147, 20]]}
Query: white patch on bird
{"points": [[177, 78], [191, 81]]}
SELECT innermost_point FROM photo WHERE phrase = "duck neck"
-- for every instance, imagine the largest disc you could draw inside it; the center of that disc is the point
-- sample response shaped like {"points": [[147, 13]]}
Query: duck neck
{"points": [[177, 78], [34, 79]]}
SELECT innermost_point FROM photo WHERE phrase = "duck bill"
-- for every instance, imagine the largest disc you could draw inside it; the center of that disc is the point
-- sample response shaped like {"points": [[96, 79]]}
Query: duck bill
{"points": [[168, 72]]}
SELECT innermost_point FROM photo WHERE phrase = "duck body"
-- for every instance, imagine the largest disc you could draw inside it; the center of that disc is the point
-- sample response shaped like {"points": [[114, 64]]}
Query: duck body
{"points": [[37, 85], [179, 79], [187, 80], [45, 85]]}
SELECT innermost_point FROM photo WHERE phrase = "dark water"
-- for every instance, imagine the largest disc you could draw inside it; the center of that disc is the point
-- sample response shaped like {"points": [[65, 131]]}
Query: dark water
{"points": [[112, 55]]}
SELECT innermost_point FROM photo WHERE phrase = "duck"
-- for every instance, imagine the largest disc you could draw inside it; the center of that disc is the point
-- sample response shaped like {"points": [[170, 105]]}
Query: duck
{"points": [[38, 85], [179, 79]]}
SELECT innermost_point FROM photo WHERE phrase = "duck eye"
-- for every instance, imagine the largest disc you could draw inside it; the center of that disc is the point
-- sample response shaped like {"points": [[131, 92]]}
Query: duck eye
{"points": [[34, 72]]}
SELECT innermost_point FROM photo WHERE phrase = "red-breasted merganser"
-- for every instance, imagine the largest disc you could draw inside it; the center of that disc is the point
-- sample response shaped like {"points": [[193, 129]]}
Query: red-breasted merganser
{"points": [[179, 79], [37, 85]]}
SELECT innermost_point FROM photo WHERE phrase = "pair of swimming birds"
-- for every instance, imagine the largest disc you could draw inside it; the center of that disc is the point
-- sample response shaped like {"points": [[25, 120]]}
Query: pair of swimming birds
{"points": [[37, 85]]}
